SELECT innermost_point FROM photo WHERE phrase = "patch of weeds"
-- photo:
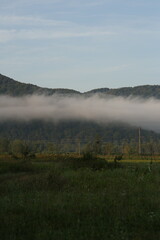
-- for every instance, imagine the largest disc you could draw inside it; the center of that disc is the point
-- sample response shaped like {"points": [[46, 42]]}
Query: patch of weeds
{"points": [[55, 179], [21, 167], [51, 180], [16, 167]]}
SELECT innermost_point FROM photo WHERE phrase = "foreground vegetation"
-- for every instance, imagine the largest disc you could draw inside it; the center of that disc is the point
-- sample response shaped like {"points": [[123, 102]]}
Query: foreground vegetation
{"points": [[78, 198]]}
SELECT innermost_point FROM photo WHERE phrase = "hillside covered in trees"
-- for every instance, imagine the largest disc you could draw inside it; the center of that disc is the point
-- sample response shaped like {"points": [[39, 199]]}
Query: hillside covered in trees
{"points": [[11, 87], [14, 88], [145, 91], [70, 131]]}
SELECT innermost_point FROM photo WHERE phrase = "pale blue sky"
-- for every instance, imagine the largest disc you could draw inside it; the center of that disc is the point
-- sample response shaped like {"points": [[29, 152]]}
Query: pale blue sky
{"points": [[81, 45]]}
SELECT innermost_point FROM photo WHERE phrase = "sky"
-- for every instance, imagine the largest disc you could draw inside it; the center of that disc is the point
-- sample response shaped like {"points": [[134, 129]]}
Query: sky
{"points": [[80, 44]]}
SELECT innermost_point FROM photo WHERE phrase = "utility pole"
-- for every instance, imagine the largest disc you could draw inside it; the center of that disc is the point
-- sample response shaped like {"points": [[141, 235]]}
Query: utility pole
{"points": [[79, 147], [139, 141]]}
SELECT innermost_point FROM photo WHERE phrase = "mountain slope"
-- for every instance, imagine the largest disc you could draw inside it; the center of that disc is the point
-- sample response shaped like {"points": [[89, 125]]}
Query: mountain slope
{"points": [[145, 91], [11, 87]]}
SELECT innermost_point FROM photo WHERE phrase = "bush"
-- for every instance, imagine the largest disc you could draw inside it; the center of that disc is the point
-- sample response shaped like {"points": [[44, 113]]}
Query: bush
{"points": [[88, 156]]}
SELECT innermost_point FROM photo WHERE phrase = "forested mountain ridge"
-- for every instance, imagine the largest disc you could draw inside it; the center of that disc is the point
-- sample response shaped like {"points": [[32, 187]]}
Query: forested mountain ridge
{"points": [[11, 87], [145, 91]]}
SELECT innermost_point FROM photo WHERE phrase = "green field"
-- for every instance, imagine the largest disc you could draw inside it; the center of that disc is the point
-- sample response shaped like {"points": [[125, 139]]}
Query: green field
{"points": [[78, 199]]}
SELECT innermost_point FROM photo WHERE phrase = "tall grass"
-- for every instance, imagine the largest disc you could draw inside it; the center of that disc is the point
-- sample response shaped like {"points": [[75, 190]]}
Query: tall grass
{"points": [[47, 201]]}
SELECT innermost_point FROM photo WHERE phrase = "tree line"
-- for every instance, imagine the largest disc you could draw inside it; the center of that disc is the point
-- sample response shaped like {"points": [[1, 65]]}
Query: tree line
{"points": [[96, 146]]}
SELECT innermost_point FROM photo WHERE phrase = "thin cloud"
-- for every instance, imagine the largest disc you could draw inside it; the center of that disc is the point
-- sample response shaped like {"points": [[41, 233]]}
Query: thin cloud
{"points": [[30, 21], [90, 3], [9, 35], [8, 4]]}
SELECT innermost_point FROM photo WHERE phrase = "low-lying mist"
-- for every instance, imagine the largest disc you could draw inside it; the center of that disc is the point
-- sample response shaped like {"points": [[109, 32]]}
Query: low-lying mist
{"points": [[134, 111]]}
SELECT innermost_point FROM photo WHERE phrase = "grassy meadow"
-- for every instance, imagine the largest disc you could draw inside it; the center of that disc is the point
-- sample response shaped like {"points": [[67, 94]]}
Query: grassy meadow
{"points": [[75, 198]]}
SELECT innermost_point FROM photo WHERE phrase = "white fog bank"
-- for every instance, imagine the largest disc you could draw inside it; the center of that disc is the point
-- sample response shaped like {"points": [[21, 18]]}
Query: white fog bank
{"points": [[134, 111]]}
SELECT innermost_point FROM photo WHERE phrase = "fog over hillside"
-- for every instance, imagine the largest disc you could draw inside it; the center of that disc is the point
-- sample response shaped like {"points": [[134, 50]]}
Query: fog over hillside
{"points": [[31, 112], [138, 112]]}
